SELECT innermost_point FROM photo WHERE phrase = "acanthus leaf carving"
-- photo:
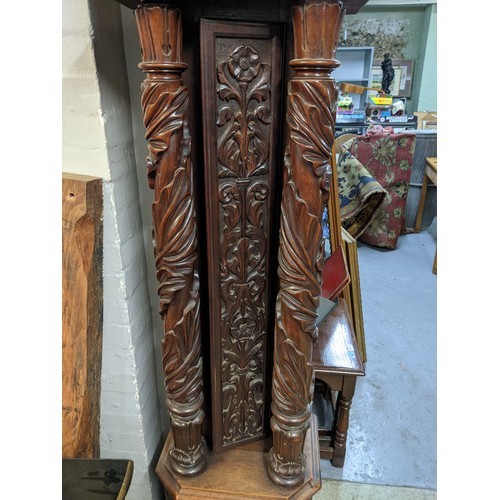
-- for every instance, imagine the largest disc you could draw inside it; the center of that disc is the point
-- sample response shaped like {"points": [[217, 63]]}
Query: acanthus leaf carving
{"points": [[164, 104], [181, 355], [163, 114], [293, 381], [243, 154], [175, 237], [312, 123], [311, 120], [300, 260]]}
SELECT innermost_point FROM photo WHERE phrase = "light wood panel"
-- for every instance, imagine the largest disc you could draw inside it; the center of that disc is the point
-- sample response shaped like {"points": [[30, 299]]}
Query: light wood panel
{"points": [[81, 314]]}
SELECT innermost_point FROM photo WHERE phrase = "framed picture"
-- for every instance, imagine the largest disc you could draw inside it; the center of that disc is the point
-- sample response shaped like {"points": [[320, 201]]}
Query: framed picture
{"points": [[403, 76]]}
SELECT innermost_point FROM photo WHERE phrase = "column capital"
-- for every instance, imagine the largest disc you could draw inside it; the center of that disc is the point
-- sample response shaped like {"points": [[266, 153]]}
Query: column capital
{"points": [[316, 26], [160, 36]]}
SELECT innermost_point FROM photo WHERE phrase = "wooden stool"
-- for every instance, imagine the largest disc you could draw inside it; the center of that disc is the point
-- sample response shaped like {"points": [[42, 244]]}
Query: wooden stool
{"points": [[95, 479], [430, 173], [337, 363]]}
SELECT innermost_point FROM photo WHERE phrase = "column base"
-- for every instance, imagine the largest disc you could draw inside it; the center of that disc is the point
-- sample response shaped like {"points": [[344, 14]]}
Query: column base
{"points": [[241, 473]]}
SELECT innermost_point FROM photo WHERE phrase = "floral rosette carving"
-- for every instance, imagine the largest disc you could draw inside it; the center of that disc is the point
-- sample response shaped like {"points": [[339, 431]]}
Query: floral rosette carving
{"points": [[243, 154]]}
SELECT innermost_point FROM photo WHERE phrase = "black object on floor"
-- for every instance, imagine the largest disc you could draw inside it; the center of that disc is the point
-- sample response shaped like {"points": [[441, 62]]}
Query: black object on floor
{"points": [[95, 479]]}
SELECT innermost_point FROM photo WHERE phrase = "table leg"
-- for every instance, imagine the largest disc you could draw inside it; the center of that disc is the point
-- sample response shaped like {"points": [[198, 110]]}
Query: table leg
{"points": [[343, 407], [421, 203]]}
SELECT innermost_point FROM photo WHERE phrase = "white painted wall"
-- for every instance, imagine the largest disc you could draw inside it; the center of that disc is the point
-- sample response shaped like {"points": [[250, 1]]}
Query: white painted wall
{"points": [[427, 99], [97, 140], [83, 139]]}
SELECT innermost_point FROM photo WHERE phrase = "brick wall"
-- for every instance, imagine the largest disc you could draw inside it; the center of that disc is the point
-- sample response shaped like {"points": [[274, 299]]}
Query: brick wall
{"points": [[97, 140]]}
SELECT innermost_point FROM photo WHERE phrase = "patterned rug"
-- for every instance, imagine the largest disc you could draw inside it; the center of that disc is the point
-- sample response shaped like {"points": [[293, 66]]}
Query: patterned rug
{"points": [[359, 192], [386, 158]]}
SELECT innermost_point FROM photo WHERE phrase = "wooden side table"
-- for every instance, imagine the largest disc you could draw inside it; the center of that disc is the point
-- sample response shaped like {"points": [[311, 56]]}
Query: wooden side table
{"points": [[337, 363], [430, 173]]}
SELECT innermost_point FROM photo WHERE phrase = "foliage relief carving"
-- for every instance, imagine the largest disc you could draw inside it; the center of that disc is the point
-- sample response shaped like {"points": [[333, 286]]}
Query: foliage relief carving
{"points": [[243, 150]]}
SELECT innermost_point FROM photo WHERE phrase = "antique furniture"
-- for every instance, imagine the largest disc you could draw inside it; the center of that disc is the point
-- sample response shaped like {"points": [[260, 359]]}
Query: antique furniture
{"points": [[240, 169], [341, 139], [430, 173], [337, 363]]}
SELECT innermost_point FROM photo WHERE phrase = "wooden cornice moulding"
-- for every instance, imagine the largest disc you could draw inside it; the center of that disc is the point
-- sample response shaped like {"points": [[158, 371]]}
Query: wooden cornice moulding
{"points": [[351, 6], [164, 104]]}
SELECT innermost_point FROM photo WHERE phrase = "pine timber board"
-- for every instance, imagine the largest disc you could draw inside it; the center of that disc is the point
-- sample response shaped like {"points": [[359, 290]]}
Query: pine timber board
{"points": [[82, 235]]}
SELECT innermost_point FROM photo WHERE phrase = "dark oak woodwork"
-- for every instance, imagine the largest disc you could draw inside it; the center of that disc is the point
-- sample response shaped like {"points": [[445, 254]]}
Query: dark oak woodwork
{"points": [[239, 473], [312, 98], [164, 103], [256, 299], [241, 88], [351, 6]]}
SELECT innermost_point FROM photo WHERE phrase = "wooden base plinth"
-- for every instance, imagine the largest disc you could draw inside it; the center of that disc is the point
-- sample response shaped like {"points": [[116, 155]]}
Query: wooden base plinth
{"points": [[241, 474]]}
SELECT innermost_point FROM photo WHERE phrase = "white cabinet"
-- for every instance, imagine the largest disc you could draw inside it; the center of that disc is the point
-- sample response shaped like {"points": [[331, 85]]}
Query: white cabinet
{"points": [[355, 67]]}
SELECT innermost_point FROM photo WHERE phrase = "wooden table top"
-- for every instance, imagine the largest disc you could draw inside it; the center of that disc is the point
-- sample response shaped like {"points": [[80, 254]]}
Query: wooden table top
{"points": [[336, 350]]}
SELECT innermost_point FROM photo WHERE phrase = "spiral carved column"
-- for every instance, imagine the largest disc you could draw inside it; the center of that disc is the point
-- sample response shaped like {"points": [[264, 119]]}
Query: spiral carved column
{"points": [[312, 98], [164, 105]]}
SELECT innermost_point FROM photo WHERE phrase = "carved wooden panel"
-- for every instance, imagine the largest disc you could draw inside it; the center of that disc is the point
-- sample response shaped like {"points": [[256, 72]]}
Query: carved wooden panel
{"points": [[241, 83]]}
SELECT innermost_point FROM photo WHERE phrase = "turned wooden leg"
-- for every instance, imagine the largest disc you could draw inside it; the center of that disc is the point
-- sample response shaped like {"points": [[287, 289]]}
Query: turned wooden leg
{"points": [[312, 98], [164, 104], [343, 407]]}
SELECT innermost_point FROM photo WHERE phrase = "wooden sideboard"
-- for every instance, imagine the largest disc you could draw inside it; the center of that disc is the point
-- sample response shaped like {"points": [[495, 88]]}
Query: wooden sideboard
{"points": [[239, 113]]}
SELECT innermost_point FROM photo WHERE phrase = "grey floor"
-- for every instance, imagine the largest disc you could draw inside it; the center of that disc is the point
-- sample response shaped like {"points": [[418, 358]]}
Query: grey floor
{"points": [[392, 430]]}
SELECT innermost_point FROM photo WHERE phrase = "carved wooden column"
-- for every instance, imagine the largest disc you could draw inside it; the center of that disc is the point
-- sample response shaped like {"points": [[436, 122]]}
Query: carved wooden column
{"points": [[312, 97], [164, 104]]}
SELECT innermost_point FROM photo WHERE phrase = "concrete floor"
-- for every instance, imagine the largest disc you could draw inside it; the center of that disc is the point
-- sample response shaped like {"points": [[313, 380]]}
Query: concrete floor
{"points": [[392, 432]]}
